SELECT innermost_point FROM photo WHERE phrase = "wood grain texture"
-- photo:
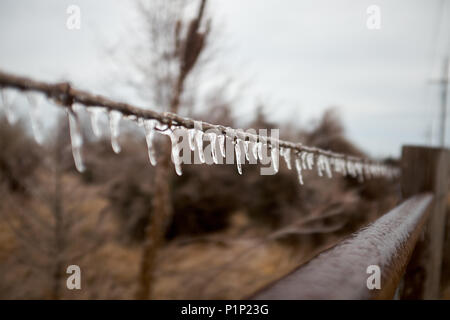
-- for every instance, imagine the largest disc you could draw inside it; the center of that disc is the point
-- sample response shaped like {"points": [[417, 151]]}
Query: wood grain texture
{"points": [[340, 272]]}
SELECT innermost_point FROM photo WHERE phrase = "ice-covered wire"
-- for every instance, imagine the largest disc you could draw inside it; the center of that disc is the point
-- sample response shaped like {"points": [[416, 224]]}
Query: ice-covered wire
{"points": [[65, 96]]}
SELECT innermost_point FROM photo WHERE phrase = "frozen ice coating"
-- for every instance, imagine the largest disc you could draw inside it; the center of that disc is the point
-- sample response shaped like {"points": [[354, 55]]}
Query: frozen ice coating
{"points": [[253, 146], [303, 156], [176, 159], [254, 149], [326, 163], [132, 117], [8, 96], [246, 150], [95, 114], [199, 142], [298, 166], [77, 141], [286, 153], [237, 150], [114, 123], [348, 167], [35, 100], [191, 139], [212, 138], [310, 160], [222, 145], [355, 172], [162, 127], [275, 156], [260, 150], [149, 128], [344, 167], [339, 166], [319, 165]]}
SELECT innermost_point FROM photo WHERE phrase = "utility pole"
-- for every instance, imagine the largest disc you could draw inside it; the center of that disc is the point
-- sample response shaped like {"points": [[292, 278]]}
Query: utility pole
{"points": [[444, 101], [444, 81]]}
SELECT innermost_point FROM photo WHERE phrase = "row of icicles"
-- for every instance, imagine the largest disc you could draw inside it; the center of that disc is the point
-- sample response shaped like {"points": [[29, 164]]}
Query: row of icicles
{"points": [[303, 160]]}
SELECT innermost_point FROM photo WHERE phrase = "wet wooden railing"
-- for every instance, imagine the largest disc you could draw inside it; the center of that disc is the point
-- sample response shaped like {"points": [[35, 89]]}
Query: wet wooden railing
{"points": [[405, 245]]}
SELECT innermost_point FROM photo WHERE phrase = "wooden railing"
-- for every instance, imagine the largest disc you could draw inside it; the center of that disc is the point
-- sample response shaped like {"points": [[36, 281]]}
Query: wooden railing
{"points": [[406, 244]]}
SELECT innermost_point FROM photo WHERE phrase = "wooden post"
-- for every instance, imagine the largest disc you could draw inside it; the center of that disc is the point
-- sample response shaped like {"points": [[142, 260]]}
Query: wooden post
{"points": [[426, 169], [445, 281]]}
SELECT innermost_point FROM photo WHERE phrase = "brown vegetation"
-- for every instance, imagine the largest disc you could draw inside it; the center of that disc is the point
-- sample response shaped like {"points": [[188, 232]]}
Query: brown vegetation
{"points": [[224, 241]]}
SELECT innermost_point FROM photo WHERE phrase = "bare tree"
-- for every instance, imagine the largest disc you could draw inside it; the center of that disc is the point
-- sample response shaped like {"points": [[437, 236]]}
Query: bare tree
{"points": [[47, 221], [177, 46]]}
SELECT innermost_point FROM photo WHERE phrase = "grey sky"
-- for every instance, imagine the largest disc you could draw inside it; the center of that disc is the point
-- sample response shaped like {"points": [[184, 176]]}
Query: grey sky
{"points": [[301, 57]]}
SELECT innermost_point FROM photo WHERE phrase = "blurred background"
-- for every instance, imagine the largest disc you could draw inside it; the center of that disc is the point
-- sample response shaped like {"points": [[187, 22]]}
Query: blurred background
{"points": [[312, 69]]}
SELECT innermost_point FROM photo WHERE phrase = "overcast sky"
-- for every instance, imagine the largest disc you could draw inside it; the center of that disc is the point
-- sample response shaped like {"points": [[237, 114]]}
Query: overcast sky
{"points": [[300, 57]]}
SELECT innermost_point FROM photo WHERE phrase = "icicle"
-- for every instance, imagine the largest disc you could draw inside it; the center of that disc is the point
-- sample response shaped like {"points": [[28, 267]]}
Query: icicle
{"points": [[35, 100], [77, 141], [310, 160], [254, 149], [8, 96], [237, 150], [335, 164], [275, 155], [222, 145], [286, 153], [191, 139], [170, 131], [246, 150], [320, 165], [149, 128], [95, 113], [344, 167], [199, 141], [114, 122], [176, 159], [339, 166], [298, 166], [303, 156], [326, 163], [260, 150], [354, 172], [212, 138]]}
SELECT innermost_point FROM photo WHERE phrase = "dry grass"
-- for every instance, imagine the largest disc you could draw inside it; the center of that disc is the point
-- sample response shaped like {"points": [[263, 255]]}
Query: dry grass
{"points": [[213, 267]]}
